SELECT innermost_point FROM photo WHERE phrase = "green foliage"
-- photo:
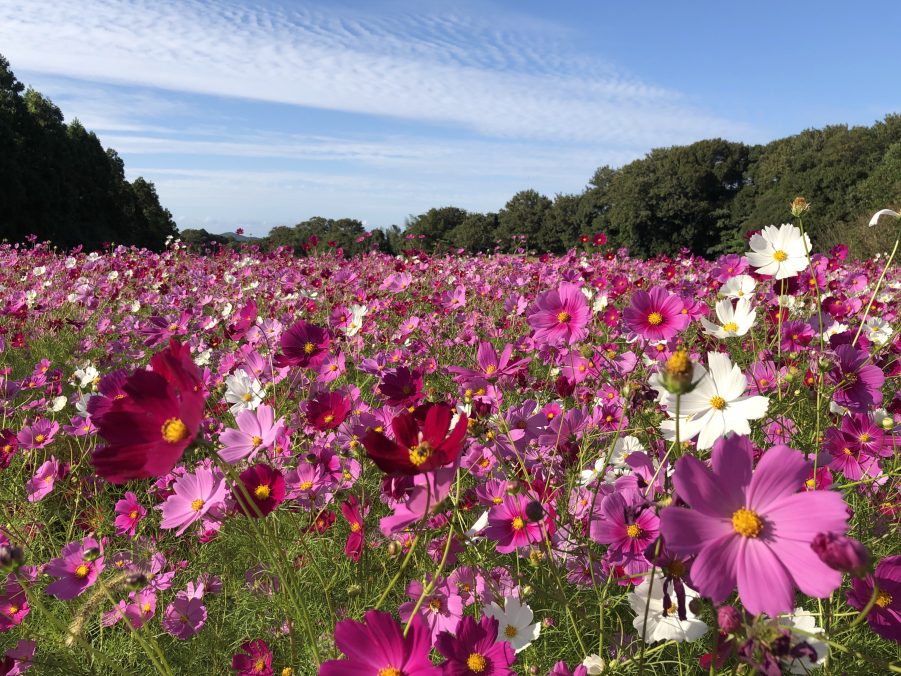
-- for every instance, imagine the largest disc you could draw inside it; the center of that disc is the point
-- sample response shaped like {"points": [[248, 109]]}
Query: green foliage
{"points": [[57, 181]]}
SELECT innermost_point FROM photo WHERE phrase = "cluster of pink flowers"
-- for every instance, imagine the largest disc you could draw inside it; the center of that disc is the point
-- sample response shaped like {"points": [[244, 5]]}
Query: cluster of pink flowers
{"points": [[491, 416]]}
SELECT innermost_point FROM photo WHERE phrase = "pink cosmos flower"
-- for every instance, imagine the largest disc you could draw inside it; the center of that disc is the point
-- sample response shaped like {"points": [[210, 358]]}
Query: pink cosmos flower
{"points": [[427, 492], [129, 513], [509, 525], [77, 568], [475, 649], [256, 430], [377, 646], [560, 316], [13, 605], [753, 528], [17, 660], [354, 546], [184, 617], [656, 314], [41, 484], [39, 434], [628, 528], [441, 609], [9, 444], [194, 495], [255, 659]]}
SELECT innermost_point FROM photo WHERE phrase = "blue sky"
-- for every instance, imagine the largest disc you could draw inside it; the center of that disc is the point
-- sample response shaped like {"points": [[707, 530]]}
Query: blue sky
{"points": [[255, 114]]}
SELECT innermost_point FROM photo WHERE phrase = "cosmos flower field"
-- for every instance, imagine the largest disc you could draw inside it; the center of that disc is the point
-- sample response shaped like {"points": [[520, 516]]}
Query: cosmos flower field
{"points": [[253, 463]]}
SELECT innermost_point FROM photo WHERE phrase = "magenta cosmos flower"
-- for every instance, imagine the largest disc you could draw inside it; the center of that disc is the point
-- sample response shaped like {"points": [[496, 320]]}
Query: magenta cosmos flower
{"points": [[193, 496], [377, 647], [304, 345], [266, 487], [184, 617], [656, 314], [327, 410], [255, 659], [885, 617], [859, 382], [753, 528], [129, 513], [76, 568], [475, 650], [354, 546], [510, 526], [560, 316]]}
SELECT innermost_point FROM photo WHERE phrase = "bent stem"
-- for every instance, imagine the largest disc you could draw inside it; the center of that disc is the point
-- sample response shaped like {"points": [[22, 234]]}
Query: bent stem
{"points": [[866, 312], [867, 608]]}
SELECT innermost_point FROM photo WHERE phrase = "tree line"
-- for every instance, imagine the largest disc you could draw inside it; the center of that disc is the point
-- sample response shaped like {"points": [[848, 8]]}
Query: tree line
{"points": [[57, 182]]}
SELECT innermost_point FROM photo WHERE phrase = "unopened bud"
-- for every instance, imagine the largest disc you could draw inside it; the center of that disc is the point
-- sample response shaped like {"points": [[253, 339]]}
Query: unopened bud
{"points": [[799, 206], [11, 557], [393, 548], [840, 552], [678, 372], [92, 553], [534, 511], [354, 590], [888, 424], [729, 619], [136, 581], [513, 487]]}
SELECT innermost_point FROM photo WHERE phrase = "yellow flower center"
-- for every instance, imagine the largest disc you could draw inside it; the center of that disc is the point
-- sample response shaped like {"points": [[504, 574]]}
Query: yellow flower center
{"points": [[420, 453], [262, 492], [82, 571], [718, 403], [259, 665], [865, 438], [811, 483], [564, 317], [256, 441], [328, 418], [747, 523], [435, 605], [655, 319], [308, 348], [518, 523], [732, 327], [779, 255], [476, 663], [510, 631], [145, 608], [40, 438], [355, 527], [174, 430], [197, 505], [133, 514], [884, 599], [247, 396], [497, 500], [633, 530], [491, 368], [306, 485], [12, 610], [389, 671]]}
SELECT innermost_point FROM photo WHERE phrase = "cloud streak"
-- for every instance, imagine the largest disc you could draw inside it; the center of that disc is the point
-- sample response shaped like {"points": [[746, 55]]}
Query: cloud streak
{"points": [[436, 68]]}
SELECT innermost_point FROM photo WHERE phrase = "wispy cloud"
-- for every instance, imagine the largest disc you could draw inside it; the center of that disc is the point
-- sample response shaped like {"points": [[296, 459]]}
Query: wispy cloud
{"points": [[435, 67]]}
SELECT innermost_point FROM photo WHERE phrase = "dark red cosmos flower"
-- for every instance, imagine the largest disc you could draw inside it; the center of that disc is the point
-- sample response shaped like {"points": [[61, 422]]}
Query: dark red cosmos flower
{"points": [[266, 487], [247, 315], [327, 410], [150, 424], [305, 345], [8, 445], [402, 387], [421, 442]]}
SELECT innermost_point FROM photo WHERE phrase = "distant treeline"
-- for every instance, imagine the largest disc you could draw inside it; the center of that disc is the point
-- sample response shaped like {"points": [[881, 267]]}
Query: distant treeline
{"points": [[58, 183], [704, 197]]}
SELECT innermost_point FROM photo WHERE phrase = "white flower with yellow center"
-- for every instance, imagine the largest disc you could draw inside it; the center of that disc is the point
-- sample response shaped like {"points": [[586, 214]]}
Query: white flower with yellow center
{"points": [[514, 623], [663, 625], [779, 252], [807, 623], [738, 287], [243, 392], [357, 314], [734, 320], [716, 406]]}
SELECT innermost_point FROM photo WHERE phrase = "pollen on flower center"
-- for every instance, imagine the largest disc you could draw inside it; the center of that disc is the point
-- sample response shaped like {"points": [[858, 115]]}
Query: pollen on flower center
{"points": [[633, 530], [884, 599], [779, 255], [564, 317], [355, 527], [655, 319], [420, 453], [747, 523], [308, 348], [197, 505], [174, 430], [133, 514], [718, 403], [256, 441], [247, 396], [730, 326], [82, 571], [389, 671], [476, 663], [518, 523], [262, 492], [865, 438], [259, 665], [510, 631], [435, 605], [40, 438]]}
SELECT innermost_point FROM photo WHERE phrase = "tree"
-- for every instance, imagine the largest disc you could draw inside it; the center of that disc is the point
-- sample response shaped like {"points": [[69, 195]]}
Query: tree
{"points": [[436, 225], [525, 214]]}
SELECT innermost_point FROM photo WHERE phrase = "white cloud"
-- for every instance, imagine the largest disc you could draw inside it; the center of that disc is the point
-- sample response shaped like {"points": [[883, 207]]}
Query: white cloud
{"points": [[518, 83]]}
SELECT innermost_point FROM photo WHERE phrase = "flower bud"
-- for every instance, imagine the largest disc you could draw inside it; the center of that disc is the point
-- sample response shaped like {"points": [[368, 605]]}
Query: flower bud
{"points": [[534, 511], [840, 552], [393, 548], [799, 206], [729, 619], [888, 424], [11, 557], [92, 553], [136, 581], [677, 373]]}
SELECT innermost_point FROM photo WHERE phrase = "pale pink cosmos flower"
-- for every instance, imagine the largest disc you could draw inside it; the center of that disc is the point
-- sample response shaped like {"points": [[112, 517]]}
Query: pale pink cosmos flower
{"points": [[43, 481], [76, 568], [193, 497], [256, 430]]}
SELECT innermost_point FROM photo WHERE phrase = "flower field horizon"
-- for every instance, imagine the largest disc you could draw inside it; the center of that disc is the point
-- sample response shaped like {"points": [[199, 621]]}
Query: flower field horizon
{"points": [[240, 461]]}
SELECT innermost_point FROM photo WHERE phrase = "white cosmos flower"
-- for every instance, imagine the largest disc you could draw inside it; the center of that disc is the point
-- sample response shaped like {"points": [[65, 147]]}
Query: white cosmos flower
{"points": [[663, 625], [716, 406], [735, 320], [357, 313], [56, 404], [879, 331], [779, 252], [514, 623], [738, 287], [623, 448], [85, 376], [594, 665], [243, 392], [806, 622], [883, 212]]}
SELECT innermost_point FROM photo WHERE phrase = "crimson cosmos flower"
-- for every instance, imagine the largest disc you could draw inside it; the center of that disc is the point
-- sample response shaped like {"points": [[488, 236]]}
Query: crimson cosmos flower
{"points": [[148, 427], [421, 442]]}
